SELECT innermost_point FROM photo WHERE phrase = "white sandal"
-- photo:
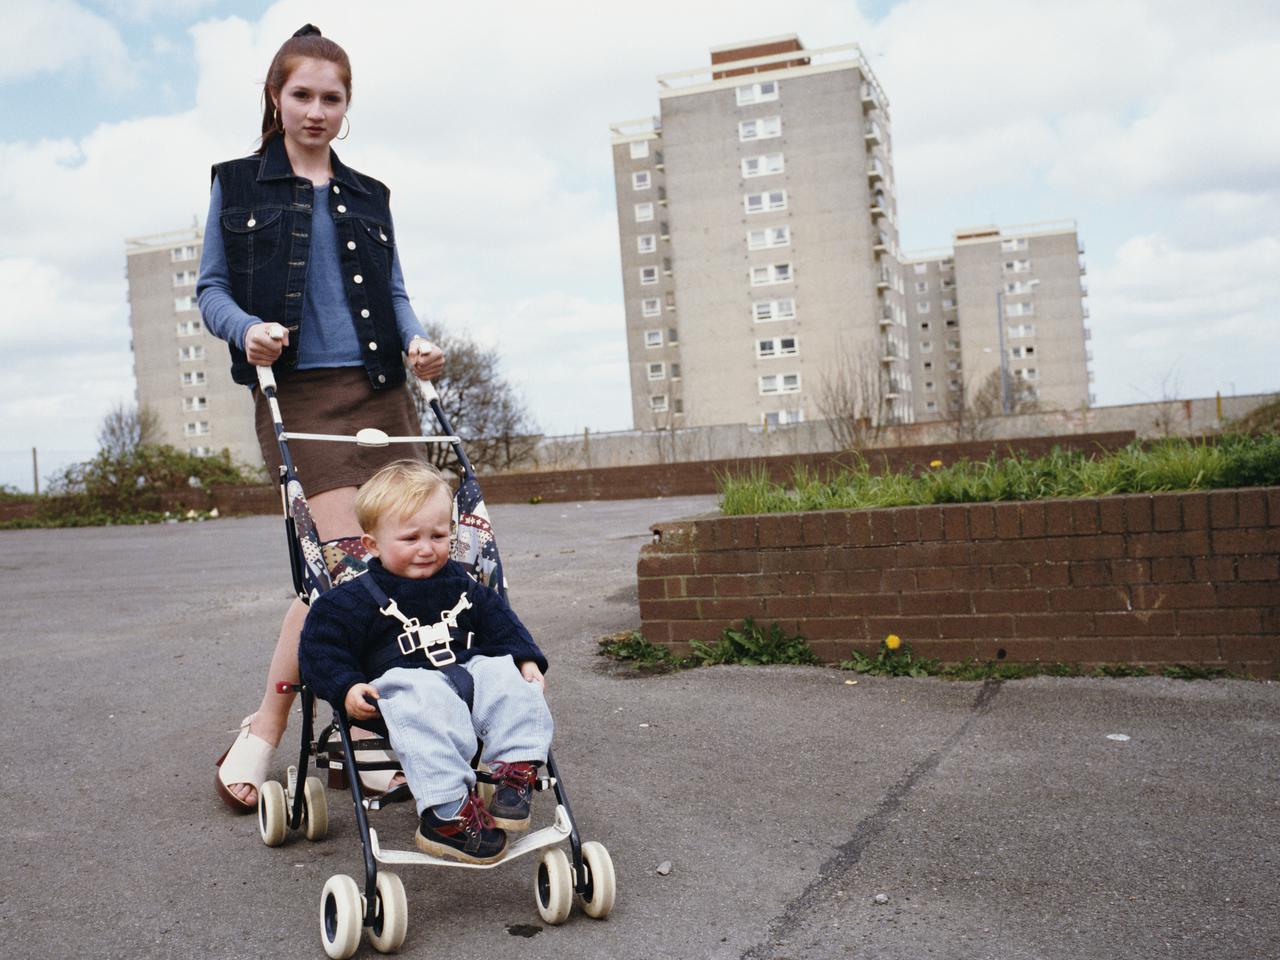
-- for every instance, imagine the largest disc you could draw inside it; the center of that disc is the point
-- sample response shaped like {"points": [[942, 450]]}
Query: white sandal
{"points": [[246, 761]]}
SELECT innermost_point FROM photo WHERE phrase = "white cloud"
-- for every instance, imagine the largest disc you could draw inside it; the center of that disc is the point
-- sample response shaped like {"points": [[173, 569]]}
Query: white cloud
{"points": [[148, 9], [60, 36]]}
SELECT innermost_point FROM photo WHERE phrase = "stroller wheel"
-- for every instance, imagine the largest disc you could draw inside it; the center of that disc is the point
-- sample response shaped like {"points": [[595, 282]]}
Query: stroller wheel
{"points": [[391, 919], [553, 888], [602, 886], [341, 917], [272, 813], [315, 808]]}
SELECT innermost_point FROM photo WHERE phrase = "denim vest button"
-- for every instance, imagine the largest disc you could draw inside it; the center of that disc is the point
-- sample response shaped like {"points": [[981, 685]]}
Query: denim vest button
{"points": [[373, 345], [351, 244], [341, 208], [251, 222], [335, 189], [382, 236], [358, 279], [365, 314], [381, 378]]}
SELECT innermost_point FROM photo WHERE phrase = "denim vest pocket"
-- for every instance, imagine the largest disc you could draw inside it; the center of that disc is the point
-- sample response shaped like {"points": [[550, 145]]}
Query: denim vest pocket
{"points": [[381, 243], [252, 237]]}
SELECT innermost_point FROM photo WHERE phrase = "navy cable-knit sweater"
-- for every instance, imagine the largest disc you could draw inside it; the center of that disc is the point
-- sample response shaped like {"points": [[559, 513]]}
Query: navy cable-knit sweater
{"points": [[344, 632]]}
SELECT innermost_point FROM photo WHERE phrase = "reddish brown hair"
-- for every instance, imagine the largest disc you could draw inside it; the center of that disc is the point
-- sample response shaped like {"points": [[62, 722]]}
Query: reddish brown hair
{"points": [[307, 43]]}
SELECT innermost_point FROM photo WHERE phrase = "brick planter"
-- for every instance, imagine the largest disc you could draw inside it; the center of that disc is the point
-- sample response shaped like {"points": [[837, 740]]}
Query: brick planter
{"points": [[1172, 578]]}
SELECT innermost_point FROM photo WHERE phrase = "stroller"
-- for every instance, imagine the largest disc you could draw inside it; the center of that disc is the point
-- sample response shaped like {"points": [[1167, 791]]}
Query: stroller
{"points": [[382, 908]]}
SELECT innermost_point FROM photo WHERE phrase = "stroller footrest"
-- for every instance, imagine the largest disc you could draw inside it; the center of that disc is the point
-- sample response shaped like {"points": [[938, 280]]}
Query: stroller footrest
{"points": [[546, 837]]}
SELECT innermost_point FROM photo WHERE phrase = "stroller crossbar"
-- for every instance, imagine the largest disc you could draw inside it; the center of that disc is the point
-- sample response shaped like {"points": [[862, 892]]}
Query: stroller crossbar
{"points": [[546, 837], [367, 437]]}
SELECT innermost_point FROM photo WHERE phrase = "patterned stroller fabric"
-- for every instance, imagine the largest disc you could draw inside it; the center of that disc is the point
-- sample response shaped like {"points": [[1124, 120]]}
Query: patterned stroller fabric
{"points": [[346, 558], [475, 548], [315, 573]]}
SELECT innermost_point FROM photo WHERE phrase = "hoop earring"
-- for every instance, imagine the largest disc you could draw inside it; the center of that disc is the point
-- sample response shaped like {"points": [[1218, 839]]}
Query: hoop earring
{"points": [[347, 119], [275, 118]]}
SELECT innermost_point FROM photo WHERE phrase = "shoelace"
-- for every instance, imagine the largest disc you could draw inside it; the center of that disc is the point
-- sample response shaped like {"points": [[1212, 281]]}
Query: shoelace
{"points": [[520, 776], [475, 818]]}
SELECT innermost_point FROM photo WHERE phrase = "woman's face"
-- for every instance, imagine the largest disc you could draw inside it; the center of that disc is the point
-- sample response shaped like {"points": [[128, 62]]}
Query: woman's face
{"points": [[312, 103]]}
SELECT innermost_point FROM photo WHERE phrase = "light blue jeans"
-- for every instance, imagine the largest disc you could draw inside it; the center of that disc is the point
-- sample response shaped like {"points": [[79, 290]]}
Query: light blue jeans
{"points": [[435, 737]]}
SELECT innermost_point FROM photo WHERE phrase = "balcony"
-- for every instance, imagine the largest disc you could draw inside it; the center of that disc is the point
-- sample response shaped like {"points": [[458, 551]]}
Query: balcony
{"points": [[869, 99], [875, 171], [658, 162], [1083, 271], [1088, 334], [1084, 289], [887, 319], [883, 282], [662, 196], [872, 136], [946, 284], [1085, 310], [881, 245]]}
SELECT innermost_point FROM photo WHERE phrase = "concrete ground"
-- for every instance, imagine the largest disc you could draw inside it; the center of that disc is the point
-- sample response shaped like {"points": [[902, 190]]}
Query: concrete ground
{"points": [[1000, 820]]}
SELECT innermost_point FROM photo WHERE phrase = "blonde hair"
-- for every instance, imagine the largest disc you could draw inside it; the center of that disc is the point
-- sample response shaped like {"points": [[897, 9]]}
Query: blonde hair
{"points": [[402, 487]]}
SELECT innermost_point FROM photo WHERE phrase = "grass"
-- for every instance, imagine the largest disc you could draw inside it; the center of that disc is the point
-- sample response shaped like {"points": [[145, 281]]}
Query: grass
{"points": [[1148, 467], [750, 645]]}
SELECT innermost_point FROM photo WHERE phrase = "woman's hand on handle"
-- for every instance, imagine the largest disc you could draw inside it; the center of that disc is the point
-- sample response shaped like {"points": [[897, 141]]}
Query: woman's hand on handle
{"points": [[264, 342], [425, 358]]}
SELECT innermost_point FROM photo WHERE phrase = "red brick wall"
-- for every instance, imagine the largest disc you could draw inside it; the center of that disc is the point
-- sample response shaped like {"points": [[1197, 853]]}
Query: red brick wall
{"points": [[1169, 578]]}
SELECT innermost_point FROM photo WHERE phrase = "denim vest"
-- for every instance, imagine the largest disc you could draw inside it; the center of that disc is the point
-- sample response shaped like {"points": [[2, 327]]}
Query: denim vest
{"points": [[266, 227]]}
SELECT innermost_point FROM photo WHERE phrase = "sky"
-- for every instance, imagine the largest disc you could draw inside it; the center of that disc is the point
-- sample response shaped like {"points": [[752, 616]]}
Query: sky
{"points": [[1151, 123]]}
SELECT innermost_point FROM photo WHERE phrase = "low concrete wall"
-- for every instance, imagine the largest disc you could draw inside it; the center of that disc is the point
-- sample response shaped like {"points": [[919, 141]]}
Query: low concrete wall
{"points": [[585, 451], [1173, 578]]}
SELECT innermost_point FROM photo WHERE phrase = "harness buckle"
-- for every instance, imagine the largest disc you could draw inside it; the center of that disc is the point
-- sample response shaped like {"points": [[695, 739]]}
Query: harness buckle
{"points": [[410, 639]]}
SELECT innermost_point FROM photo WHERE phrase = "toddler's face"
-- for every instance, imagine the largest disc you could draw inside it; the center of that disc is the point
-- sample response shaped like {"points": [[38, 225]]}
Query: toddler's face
{"points": [[414, 546]]}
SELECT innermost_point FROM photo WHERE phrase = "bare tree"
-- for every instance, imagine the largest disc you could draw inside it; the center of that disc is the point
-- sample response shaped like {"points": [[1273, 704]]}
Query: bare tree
{"points": [[853, 398], [972, 410], [126, 428], [482, 407]]}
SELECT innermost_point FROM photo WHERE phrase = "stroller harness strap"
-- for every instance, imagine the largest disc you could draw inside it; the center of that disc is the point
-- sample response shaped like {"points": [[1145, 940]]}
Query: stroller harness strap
{"points": [[434, 640]]}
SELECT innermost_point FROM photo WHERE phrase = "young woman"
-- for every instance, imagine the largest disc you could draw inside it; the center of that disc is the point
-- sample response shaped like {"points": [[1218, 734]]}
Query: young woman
{"points": [[296, 238]]}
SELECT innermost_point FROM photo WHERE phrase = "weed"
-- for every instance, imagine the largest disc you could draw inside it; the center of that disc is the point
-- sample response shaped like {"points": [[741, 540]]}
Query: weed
{"points": [[1119, 670], [753, 646], [1192, 671], [632, 647], [893, 659]]}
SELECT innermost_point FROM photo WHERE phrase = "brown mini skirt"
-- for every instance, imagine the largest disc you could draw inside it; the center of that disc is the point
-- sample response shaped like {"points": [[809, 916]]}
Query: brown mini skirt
{"points": [[337, 400]]}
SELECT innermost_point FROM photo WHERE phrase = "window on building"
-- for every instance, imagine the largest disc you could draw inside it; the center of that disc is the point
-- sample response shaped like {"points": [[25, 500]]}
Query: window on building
{"points": [[193, 378], [1027, 373], [196, 428], [765, 311], [953, 344], [767, 201], [952, 323], [670, 296], [189, 328], [768, 237], [761, 92], [924, 324], [678, 406], [764, 128], [953, 385], [953, 365], [195, 404], [658, 403], [641, 180], [926, 346], [1019, 353], [922, 286], [657, 371], [927, 365], [1012, 244], [184, 278], [771, 273], [948, 303], [922, 306], [639, 149], [1019, 309], [777, 347], [780, 383], [182, 304], [928, 386], [672, 337], [782, 418], [1017, 266], [920, 267], [200, 451], [675, 371], [648, 275], [652, 338], [193, 352], [178, 254], [647, 243], [1022, 330], [763, 164], [644, 212], [650, 307]]}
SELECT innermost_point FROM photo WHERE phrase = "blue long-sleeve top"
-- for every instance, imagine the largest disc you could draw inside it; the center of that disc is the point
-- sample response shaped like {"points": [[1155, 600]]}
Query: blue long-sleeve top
{"points": [[345, 633], [328, 338]]}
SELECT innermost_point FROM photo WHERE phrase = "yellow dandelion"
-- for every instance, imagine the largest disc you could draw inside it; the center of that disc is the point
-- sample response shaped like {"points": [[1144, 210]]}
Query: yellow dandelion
{"points": [[893, 641], [935, 463]]}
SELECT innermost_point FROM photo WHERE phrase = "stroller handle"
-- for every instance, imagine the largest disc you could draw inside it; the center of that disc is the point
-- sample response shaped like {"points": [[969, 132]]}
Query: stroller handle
{"points": [[267, 377]]}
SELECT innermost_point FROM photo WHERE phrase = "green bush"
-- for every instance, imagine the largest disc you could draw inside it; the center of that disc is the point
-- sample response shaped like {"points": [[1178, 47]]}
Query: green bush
{"points": [[753, 646]]}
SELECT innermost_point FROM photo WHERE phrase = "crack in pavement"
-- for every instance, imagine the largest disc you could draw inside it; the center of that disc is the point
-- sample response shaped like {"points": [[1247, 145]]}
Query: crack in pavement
{"points": [[782, 927]]}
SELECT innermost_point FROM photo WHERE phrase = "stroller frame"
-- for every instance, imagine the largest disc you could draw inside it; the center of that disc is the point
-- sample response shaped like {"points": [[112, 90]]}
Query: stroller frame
{"points": [[295, 806]]}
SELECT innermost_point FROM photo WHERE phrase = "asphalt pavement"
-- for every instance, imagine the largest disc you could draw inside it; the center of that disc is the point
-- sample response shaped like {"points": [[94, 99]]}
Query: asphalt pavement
{"points": [[1046, 818]]}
